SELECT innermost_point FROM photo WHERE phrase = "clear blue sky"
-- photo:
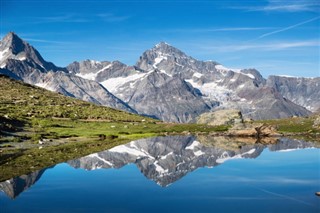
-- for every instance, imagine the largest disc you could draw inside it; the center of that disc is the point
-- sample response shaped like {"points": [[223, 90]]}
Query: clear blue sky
{"points": [[273, 36]]}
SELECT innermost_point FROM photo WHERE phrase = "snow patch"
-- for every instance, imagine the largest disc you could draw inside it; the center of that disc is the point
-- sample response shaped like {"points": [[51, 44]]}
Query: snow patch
{"points": [[22, 58], [164, 72], [88, 76], [197, 75], [220, 68], [165, 156], [158, 60], [225, 156], [159, 169], [2, 53], [92, 76], [129, 150], [46, 86], [193, 145], [198, 153], [112, 84], [214, 92], [290, 76], [93, 62], [95, 155], [248, 74]]}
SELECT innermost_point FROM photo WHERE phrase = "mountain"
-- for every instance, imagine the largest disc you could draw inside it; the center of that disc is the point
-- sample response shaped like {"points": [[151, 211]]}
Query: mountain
{"points": [[302, 91], [21, 58], [168, 84], [21, 61]]}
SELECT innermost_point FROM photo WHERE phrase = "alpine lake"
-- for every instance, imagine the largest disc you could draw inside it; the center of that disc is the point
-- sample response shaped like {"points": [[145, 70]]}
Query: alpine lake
{"points": [[176, 174]]}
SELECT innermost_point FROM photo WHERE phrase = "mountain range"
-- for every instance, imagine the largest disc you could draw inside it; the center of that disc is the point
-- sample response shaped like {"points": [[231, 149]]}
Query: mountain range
{"points": [[165, 83]]}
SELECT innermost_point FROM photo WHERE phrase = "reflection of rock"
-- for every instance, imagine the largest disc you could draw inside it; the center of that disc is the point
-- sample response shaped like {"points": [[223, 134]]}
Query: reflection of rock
{"points": [[227, 143], [17, 185], [221, 117]]}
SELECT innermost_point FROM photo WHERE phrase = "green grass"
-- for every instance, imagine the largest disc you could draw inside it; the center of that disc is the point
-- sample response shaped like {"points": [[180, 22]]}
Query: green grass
{"points": [[90, 129], [294, 125]]}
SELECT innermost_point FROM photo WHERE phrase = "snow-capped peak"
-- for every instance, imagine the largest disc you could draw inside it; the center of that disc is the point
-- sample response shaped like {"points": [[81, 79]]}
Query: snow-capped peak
{"points": [[161, 44]]}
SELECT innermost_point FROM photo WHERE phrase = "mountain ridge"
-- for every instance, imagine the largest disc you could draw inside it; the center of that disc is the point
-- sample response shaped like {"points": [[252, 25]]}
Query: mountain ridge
{"points": [[214, 86]]}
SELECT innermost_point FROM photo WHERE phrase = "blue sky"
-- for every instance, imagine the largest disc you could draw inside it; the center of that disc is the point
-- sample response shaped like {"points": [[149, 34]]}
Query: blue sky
{"points": [[274, 36]]}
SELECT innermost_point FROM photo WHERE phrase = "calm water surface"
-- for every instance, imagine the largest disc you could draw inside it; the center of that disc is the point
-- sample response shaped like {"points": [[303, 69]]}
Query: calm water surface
{"points": [[175, 174]]}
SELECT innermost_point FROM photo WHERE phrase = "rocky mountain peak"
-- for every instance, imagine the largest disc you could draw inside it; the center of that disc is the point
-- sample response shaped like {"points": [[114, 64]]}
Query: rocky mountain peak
{"points": [[13, 42], [165, 48], [12, 47]]}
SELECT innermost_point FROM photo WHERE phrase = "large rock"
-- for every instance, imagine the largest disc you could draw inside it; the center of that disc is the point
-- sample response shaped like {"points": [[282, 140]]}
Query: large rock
{"points": [[221, 117], [254, 130]]}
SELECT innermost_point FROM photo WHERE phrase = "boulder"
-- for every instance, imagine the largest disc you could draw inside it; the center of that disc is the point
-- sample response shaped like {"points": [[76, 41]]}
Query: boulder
{"points": [[221, 117], [254, 130]]}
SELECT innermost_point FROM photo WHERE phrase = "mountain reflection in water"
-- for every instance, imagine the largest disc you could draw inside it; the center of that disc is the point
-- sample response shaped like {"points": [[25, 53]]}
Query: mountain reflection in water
{"points": [[165, 160]]}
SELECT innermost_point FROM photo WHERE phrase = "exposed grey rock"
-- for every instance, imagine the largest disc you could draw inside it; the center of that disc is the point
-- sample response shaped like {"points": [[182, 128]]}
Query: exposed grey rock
{"points": [[164, 97], [269, 104], [302, 91]]}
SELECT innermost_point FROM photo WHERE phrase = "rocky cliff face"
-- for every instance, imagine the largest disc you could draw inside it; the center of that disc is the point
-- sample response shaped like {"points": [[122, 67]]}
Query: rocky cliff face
{"points": [[301, 91], [163, 97], [21, 61]]}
